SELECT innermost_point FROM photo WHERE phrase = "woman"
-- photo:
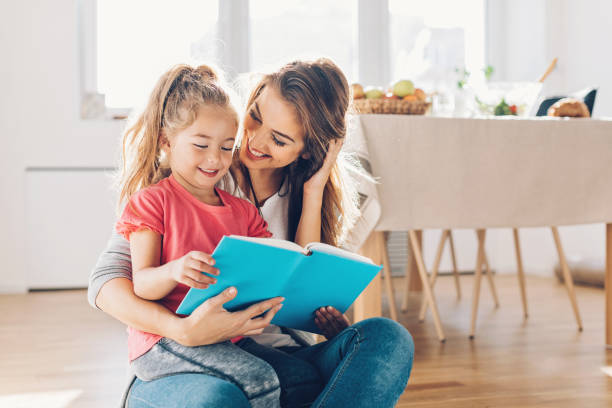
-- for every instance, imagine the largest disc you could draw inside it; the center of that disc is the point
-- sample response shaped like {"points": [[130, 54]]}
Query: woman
{"points": [[288, 166]]}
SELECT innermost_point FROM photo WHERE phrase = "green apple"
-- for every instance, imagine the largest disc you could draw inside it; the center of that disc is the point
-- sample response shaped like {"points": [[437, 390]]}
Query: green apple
{"points": [[374, 93], [403, 88]]}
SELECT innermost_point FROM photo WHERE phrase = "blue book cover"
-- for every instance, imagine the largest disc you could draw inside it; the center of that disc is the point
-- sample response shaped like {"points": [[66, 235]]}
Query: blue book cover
{"points": [[308, 278]]}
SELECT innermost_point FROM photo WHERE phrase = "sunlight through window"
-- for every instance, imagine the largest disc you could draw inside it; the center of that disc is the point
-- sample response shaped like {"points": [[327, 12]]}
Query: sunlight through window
{"points": [[138, 40], [427, 44], [283, 31], [51, 399]]}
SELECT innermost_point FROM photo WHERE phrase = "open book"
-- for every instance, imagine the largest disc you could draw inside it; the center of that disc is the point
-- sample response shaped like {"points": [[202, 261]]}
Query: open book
{"points": [[308, 278]]}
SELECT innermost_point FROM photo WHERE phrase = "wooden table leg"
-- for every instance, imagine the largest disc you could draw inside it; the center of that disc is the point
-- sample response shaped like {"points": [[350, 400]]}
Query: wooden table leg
{"points": [[426, 286], [609, 285], [567, 277], [368, 304], [477, 277], [520, 270], [412, 280], [412, 271], [434, 271]]}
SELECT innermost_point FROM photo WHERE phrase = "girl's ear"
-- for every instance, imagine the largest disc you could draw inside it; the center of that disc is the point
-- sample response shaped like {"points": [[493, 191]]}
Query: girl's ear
{"points": [[164, 144], [306, 155]]}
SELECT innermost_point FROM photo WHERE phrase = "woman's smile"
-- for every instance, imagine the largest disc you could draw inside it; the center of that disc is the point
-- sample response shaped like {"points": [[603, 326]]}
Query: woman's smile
{"points": [[255, 154], [273, 136]]}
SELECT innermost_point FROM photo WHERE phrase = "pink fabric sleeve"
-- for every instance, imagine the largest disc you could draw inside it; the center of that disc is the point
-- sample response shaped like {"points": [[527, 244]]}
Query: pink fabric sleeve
{"points": [[144, 210], [258, 227]]}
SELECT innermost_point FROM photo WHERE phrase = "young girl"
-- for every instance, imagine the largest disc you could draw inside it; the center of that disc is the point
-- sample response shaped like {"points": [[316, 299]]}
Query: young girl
{"points": [[175, 154]]}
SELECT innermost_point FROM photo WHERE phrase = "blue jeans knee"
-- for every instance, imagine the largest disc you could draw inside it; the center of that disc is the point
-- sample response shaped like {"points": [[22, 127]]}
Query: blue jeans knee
{"points": [[391, 338]]}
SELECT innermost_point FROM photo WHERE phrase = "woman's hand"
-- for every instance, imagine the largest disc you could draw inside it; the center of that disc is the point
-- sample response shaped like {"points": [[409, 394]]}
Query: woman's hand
{"points": [[331, 321], [316, 183], [188, 270], [210, 323]]}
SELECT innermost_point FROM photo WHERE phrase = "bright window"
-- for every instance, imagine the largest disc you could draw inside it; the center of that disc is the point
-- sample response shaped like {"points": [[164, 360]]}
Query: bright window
{"points": [[282, 31], [429, 39], [138, 40]]}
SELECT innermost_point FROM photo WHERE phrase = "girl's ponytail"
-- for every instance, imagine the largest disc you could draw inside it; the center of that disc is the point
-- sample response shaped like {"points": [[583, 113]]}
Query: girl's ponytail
{"points": [[207, 73], [173, 105]]}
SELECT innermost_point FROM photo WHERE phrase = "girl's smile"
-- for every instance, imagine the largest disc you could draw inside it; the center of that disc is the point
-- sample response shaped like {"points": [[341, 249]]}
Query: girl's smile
{"points": [[209, 173]]}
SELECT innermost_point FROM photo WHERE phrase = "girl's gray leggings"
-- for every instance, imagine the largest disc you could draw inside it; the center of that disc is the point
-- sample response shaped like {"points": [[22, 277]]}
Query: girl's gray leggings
{"points": [[256, 378]]}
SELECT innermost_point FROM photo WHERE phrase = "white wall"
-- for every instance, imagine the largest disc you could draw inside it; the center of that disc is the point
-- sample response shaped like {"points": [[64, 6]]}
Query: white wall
{"points": [[40, 125]]}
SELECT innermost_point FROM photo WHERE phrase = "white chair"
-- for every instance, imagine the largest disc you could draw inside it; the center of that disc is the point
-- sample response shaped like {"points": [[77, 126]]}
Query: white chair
{"points": [[481, 260]]}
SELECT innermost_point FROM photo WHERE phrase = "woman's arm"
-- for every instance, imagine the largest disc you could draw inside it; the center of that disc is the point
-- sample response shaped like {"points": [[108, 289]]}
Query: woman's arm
{"points": [[114, 262], [328, 319], [210, 323], [309, 227], [117, 298], [110, 289]]}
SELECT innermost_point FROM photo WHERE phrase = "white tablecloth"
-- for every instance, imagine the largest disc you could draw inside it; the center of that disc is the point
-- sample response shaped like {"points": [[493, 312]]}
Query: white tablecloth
{"points": [[483, 173]]}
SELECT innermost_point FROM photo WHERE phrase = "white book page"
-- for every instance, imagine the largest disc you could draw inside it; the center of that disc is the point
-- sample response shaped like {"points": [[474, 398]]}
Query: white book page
{"points": [[343, 253], [278, 243]]}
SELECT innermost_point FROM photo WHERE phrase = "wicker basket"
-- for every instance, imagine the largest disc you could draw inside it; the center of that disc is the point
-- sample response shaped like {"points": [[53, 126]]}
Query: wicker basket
{"points": [[391, 106]]}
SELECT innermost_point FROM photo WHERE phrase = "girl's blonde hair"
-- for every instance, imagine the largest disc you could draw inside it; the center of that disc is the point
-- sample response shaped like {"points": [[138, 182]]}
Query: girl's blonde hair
{"points": [[172, 106], [320, 94]]}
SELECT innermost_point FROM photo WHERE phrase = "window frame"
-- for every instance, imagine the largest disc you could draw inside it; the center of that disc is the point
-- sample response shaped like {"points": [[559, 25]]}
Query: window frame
{"points": [[88, 62]]}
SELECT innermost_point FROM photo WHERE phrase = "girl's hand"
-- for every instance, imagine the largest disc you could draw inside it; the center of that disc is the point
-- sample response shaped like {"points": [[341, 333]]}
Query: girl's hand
{"points": [[188, 270], [316, 183], [210, 323], [331, 321]]}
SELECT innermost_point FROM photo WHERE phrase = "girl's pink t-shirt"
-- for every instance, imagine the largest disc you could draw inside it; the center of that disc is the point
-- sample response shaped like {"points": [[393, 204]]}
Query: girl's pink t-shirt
{"points": [[186, 224]]}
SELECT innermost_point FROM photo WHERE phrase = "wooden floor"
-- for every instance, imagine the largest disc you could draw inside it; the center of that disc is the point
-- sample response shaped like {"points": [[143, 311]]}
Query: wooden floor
{"points": [[58, 352]]}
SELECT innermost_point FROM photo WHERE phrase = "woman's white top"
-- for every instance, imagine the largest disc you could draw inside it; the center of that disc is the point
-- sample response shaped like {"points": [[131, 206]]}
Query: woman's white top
{"points": [[275, 210]]}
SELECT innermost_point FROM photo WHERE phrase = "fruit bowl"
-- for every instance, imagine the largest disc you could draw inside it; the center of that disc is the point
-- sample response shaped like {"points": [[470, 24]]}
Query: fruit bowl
{"points": [[507, 98], [403, 99], [391, 106]]}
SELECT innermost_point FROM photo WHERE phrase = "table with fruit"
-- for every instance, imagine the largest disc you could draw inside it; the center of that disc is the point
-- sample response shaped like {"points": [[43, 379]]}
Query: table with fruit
{"points": [[487, 172]]}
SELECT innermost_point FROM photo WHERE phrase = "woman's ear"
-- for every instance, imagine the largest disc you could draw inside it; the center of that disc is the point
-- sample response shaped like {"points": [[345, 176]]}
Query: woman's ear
{"points": [[306, 155]]}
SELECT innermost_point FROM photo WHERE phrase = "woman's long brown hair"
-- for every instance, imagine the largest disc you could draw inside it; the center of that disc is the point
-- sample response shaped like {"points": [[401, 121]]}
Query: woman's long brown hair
{"points": [[319, 92]]}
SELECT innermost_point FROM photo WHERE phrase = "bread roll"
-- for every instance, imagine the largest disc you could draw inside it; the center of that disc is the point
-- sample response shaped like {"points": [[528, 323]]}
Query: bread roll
{"points": [[569, 107]]}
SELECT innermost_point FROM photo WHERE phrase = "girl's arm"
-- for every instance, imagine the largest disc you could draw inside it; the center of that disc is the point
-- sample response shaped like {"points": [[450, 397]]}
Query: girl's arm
{"points": [[309, 227], [154, 281]]}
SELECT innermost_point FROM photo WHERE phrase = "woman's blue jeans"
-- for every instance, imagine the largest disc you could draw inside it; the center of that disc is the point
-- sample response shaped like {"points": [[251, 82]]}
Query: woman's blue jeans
{"points": [[367, 365]]}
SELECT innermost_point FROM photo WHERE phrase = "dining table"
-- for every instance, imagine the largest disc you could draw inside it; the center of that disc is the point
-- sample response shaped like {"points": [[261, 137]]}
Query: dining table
{"points": [[489, 172]]}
